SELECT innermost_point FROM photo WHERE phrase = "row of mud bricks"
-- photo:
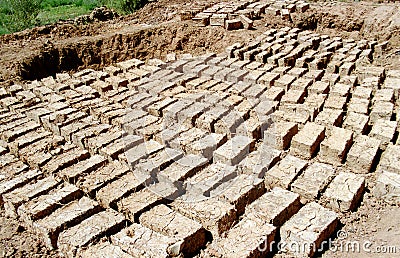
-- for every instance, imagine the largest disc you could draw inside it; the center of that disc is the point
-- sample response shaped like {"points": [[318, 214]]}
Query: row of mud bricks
{"points": [[240, 14], [216, 155]]}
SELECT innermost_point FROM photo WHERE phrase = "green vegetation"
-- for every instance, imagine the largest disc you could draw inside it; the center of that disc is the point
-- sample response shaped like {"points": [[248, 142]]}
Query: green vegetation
{"points": [[16, 15]]}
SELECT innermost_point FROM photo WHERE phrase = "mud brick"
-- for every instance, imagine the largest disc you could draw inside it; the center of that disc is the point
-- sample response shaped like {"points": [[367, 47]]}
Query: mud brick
{"points": [[103, 250], [389, 161], [239, 87], [209, 85], [254, 126], [186, 138], [138, 240], [44, 205], [114, 116], [253, 76], [228, 123], [133, 115], [274, 207], [126, 185], [293, 97], [215, 216], [273, 94], [11, 170], [92, 182], [194, 84], [392, 83], [65, 160], [285, 81], [154, 164], [319, 87], [15, 198], [15, 132], [185, 167], [285, 172], [119, 146], [240, 191], [384, 95], [330, 117], [89, 230], [84, 167], [81, 138], [335, 147], [344, 192], [331, 78], [223, 74], [42, 91], [96, 143], [306, 142], [233, 151], [269, 78], [189, 115], [207, 145], [384, 130], [340, 90], [381, 110], [207, 120], [142, 151], [167, 135], [335, 102], [346, 68], [3, 93], [246, 106], [362, 154], [172, 224], [388, 187], [264, 109], [259, 162], [141, 201], [210, 178], [8, 102], [313, 181], [312, 225], [246, 239], [356, 122], [170, 112], [134, 100], [280, 134], [17, 181], [362, 92], [26, 140], [50, 227]]}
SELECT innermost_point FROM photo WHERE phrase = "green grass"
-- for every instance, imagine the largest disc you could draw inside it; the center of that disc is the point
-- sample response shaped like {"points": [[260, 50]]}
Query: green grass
{"points": [[64, 12]]}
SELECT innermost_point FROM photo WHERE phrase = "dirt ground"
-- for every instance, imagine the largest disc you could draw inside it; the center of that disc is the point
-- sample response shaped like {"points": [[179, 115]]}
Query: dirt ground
{"points": [[156, 31]]}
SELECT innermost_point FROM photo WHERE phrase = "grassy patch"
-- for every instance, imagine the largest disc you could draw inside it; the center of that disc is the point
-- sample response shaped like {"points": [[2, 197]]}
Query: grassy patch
{"points": [[64, 12]]}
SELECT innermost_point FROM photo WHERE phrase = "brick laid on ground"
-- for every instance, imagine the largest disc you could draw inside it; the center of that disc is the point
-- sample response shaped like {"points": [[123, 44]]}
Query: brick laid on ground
{"points": [[103, 250], [89, 230], [280, 134], [345, 191], [285, 172], [246, 239], [275, 207], [64, 160], [43, 205], [362, 154], [305, 143], [313, 181], [390, 160], [388, 187], [166, 221], [207, 145], [139, 241], [335, 147], [234, 150], [50, 227], [84, 167], [309, 228], [257, 163]]}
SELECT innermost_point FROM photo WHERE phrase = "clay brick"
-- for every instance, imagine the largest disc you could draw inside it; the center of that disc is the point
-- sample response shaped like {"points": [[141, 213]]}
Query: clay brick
{"points": [[185, 167], [142, 151], [285, 81], [81, 138], [15, 132], [186, 138], [308, 229], [330, 117], [388, 187], [210, 178], [154, 164], [71, 173], [215, 216], [384, 95], [274, 207], [120, 145], [335, 147], [233, 151], [138, 241], [362, 154], [44, 205], [319, 87], [313, 181], [269, 78], [65, 160], [358, 105], [344, 192], [384, 130], [293, 97], [207, 120], [103, 250], [172, 224], [381, 110], [170, 112], [280, 134], [392, 83], [246, 239], [306, 142], [207, 145], [17, 197], [273, 94], [285, 172], [356, 122], [362, 92], [389, 161], [89, 230]]}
